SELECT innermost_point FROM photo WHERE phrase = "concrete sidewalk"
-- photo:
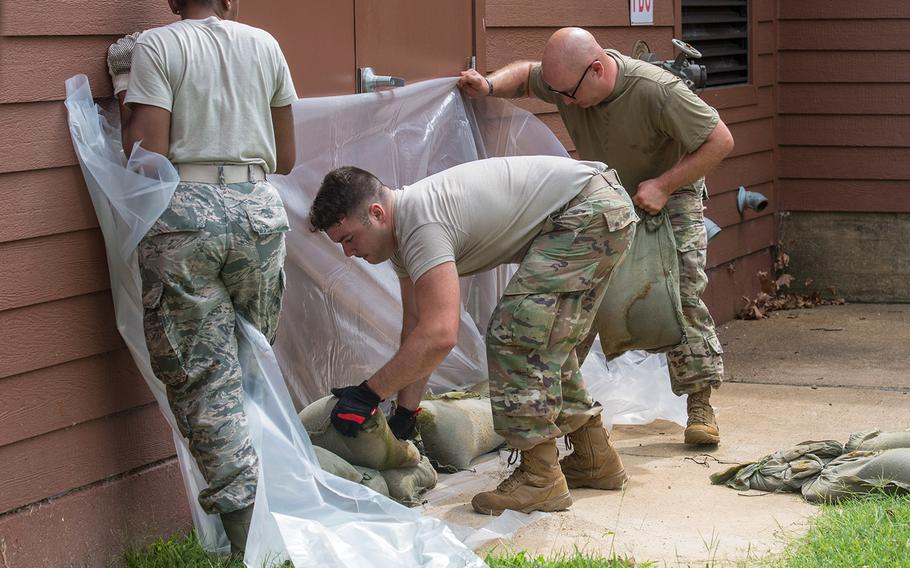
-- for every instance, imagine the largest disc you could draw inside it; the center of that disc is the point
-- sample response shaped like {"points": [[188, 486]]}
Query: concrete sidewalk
{"points": [[800, 375]]}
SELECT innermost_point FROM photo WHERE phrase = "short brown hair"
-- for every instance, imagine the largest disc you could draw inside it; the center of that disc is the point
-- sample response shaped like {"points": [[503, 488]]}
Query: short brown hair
{"points": [[344, 191]]}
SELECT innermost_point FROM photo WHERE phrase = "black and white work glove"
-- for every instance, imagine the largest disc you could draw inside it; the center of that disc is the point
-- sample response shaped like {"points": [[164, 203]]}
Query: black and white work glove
{"points": [[403, 423], [120, 60], [354, 407]]}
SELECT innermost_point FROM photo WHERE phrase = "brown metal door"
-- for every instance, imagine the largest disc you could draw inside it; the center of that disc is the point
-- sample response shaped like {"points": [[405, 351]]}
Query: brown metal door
{"points": [[414, 39], [326, 42], [317, 38]]}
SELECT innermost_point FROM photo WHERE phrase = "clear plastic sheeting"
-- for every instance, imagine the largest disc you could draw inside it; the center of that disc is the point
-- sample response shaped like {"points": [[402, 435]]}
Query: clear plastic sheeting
{"points": [[301, 513], [341, 318]]}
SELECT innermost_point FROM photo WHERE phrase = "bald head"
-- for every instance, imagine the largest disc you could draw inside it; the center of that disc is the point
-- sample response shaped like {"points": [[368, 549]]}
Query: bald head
{"points": [[567, 53]]}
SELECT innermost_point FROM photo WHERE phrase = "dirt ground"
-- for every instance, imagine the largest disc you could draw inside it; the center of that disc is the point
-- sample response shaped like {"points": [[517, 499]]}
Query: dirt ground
{"points": [[806, 374]]}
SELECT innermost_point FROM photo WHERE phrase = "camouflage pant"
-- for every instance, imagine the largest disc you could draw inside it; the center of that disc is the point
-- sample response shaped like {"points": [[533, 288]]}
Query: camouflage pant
{"points": [[697, 364], [536, 388], [216, 252]]}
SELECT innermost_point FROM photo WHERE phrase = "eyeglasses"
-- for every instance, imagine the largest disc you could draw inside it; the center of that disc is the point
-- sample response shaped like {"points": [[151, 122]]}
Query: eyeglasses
{"points": [[575, 90]]}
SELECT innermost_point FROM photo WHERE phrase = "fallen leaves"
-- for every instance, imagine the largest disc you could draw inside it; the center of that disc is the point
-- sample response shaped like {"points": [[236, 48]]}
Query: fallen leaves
{"points": [[773, 297]]}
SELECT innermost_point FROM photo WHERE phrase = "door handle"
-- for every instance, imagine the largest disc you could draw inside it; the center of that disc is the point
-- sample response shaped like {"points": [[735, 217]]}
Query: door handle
{"points": [[370, 81]]}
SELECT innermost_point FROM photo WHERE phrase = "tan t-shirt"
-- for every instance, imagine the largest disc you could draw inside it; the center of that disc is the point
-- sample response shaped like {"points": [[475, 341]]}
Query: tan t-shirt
{"points": [[218, 78], [482, 214], [649, 121]]}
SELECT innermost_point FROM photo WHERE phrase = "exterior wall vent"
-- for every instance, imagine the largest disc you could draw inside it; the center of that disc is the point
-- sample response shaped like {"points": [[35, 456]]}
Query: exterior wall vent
{"points": [[719, 29]]}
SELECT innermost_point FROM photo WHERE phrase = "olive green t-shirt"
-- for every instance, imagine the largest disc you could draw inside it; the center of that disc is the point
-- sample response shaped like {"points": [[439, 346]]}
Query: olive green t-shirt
{"points": [[649, 121], [482, 214]]}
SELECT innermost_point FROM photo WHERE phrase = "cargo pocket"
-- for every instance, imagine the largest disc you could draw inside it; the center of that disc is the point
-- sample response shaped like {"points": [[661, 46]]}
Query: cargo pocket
{"points": [[161, 338], [714, 345], [524, 320], [266, 211], [619, 218], [690, 236]]}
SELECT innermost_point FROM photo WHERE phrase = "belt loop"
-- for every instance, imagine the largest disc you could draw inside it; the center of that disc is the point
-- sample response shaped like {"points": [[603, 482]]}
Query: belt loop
{"points": [[249, 173], [221, 174]]}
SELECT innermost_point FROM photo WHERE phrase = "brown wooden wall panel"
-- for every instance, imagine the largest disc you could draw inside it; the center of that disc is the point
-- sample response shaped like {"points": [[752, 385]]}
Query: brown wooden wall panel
{"points": [[505, 45], [846, 9], [96, 525], [48, 465], [721, 207], [51, 268], [747, 170], [35, 136], [852, 35], [44, 202], [765, 38], [35, 68], [763, 10], [844, 163], [844, 130], [761, 107], [753, 136], [874, 98], [742, 239], [764, 74], [56, 332], [583, 13], [844, 195], [729, 282], [844, 67], [81, 17], [57, 397]]}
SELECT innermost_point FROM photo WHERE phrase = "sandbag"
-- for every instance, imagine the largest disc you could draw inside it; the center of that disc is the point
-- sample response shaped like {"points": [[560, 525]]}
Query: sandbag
{"points": [[336, 466], [641, 308], [408, 484], [455, 428], [877, 440], [374, 446], [861, 472], [373, 479], [784, 470]]}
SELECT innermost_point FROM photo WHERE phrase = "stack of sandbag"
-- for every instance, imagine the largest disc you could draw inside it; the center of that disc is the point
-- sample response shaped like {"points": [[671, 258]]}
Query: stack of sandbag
{"points": [[455, 428], [826, 470], [374, 457]]}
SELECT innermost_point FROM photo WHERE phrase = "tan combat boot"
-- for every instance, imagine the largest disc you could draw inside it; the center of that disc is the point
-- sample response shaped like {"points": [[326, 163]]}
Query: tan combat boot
{"points": [[594, 463], [537, 484], [701, 429]]}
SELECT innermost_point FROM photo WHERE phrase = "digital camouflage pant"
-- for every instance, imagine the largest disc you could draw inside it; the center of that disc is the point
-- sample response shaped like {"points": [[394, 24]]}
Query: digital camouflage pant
{"points": [[697, 364], [215, 253], [536, 387]]}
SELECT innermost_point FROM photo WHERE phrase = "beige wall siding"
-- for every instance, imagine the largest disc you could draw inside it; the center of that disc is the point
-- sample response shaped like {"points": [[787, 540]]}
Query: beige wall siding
{"points": [[518, 29]]}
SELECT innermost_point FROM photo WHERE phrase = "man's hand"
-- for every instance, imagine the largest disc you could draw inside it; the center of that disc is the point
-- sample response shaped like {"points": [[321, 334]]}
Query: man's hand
{"points": [[355, 405], [651, 196], [120, 60], [474, 84], [404, 422]]}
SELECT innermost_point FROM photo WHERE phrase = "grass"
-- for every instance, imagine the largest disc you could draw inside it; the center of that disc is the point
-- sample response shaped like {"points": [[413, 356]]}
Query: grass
{"points": [[576, 560], [185, 552], [872, 532]]}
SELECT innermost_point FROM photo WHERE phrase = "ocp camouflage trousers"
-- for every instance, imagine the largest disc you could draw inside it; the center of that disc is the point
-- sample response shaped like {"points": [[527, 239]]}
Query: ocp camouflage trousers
{"points": [[536, 387], [697, 364], [216, 252]]}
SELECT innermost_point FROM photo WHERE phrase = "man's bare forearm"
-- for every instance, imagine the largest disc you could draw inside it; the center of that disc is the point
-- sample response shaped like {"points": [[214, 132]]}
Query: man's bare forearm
{"points": [[513, 80], [700, 162]]}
